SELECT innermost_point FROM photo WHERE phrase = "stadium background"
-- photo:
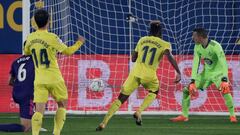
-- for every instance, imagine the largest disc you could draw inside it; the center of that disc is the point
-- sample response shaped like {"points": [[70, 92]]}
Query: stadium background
{"points": [[11, 34]]}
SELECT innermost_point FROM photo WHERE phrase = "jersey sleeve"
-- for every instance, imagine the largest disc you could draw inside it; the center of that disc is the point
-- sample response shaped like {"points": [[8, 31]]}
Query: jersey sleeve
{"points": [[169, 47], [196, 62], [221, 59], [61, 47], [58, 44], [72, 49]]}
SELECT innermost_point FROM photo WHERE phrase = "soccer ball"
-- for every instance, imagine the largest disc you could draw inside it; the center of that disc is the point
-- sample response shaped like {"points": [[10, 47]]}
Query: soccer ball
{"points": [[97, 85]]}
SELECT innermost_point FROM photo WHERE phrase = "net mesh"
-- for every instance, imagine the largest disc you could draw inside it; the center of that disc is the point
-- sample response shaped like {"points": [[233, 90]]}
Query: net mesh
{"points": [[111, 36]]}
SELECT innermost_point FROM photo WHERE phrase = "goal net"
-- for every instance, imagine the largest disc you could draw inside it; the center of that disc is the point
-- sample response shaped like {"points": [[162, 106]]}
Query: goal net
{"points": [[112, 29]]}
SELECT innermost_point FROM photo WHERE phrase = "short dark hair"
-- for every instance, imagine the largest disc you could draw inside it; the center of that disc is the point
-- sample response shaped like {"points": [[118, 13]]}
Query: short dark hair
{"points": [[41, 17], [201, 32], [155, 28]]}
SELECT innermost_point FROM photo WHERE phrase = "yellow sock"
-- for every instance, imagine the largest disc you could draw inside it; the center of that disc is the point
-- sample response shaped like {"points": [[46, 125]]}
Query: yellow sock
{"points": [[114, 107], [59, 120], [147, 101], [36, 123]]}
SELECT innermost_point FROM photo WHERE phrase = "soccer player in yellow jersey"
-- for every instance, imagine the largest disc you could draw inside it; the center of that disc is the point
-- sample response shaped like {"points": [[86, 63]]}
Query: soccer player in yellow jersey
{"points": [[147, 55], [43, 46]]}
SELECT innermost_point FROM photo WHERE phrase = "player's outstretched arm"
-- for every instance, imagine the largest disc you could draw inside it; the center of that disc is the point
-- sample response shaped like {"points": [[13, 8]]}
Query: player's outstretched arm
{"points": [[72, 49], [174, 64]]}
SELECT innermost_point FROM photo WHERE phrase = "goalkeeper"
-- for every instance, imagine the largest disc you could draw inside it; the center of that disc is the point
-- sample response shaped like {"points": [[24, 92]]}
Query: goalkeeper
{"points": [[215, 71], [148, 53]]}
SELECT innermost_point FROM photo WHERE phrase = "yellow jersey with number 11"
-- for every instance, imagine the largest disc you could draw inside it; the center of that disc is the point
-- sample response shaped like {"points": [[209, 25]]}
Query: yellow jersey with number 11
{"points": [[150, 51]]}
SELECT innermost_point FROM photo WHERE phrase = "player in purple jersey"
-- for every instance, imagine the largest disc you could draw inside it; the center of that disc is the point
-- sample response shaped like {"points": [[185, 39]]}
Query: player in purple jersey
{"points": [[22, 78]]}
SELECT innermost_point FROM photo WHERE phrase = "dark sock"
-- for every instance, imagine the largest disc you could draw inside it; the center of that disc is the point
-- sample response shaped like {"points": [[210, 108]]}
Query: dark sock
{"points": [[11, 128]]}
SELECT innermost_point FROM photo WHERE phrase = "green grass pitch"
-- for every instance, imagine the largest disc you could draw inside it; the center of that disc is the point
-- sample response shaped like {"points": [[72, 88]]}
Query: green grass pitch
{"points": [[125, 125]]}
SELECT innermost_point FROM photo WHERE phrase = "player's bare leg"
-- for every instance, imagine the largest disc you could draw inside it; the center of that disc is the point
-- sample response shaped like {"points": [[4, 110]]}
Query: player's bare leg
{"points": [[26, 123], [114, 107]]}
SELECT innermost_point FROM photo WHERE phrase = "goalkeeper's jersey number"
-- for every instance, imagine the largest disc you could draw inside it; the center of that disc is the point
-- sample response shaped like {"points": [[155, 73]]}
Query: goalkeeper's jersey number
{"points": [[43, 57], [146, 51]]}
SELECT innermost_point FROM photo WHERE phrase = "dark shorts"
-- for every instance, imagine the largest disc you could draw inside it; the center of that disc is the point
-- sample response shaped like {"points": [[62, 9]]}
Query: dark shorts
{"points": [[25, 108]]}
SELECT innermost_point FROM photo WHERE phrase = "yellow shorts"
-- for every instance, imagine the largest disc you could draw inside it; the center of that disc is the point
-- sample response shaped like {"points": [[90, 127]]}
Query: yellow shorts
{"points": [[57, 90], [133, 82]]}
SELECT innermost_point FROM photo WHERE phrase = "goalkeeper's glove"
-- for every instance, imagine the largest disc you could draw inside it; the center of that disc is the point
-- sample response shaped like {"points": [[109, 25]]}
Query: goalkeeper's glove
{"points": [[224, 86], [192, 88]]}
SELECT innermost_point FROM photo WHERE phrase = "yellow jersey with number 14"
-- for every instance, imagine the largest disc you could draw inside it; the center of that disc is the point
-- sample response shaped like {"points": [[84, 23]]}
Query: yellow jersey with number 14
{"points": [[43, 46], [150, 51]]}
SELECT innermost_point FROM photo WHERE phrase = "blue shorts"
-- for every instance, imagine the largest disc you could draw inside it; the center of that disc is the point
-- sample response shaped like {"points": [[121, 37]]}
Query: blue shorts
{"points": [[25, 108]]}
